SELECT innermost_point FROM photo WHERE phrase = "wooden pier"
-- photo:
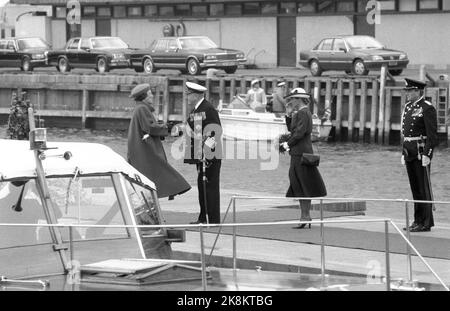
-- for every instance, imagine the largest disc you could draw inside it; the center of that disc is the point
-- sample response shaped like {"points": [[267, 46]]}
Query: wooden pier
{"points": [[101, 100]]}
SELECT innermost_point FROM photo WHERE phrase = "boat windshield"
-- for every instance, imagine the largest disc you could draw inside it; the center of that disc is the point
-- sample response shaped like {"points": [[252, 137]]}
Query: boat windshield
{"points": [[363, 42], [198, 43]]}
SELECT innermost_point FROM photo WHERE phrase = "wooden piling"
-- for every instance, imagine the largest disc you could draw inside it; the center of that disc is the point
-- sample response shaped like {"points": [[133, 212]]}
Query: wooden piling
{"points": [[382, 104], [362, 110], [84, 108], [166, 96], [351, 109], [232, 89], [387, 117], [339, 94]]}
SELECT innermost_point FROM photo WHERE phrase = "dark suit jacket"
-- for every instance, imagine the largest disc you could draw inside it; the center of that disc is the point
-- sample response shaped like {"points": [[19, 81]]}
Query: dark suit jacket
{"points": [[205, 121], [301, 128]]}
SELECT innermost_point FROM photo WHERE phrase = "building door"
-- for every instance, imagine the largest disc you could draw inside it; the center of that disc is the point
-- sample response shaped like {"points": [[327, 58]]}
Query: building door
{"points": [[362, 27], [103, 27], [287, 37]]}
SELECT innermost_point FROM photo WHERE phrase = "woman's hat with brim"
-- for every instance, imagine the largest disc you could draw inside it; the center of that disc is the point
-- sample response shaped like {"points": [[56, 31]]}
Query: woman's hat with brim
{"points": [[298, 92], [254, 82], [139, 90]]}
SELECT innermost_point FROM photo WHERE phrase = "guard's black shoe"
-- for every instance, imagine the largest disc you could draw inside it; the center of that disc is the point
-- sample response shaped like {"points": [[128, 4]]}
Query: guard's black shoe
{"points": [[413, 225], [421, 229]]}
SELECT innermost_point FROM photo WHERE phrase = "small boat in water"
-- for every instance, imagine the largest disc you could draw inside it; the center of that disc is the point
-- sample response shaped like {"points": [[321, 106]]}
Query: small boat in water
{"points": [[243, 123]]}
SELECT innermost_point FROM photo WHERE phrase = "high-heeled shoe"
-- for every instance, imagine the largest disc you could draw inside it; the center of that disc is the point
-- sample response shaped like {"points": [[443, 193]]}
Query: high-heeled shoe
{"points": [[303, 226]]}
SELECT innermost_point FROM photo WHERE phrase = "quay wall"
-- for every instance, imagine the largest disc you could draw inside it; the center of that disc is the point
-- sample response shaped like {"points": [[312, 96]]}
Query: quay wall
{"points": [[100, 101]]}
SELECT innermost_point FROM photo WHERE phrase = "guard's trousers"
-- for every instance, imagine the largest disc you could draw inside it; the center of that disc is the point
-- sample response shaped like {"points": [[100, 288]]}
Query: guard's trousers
{"points": [[420, 187], [212, 207]]}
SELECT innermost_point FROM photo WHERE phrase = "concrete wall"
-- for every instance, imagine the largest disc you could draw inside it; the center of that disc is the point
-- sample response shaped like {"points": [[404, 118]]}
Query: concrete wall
{"points": [[88, 28], [425, 37], [255, 34], [58, 33], [312, 29], [34, 26]]}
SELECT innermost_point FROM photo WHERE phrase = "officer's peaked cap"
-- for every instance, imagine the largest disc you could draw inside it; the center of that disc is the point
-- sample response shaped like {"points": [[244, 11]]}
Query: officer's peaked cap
{"points": [[414, 84], [298, 92], [139, 90], [195, 88]]}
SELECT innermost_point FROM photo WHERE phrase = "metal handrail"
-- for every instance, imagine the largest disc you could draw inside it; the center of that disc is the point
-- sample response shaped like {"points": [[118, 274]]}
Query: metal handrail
{"points": [[234, 225], [322, 244]]}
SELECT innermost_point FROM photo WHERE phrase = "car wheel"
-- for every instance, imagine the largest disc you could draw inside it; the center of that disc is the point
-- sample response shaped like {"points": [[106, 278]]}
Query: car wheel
{"points": [[26, 65], [315, 69], [230, 70], [102, 65], [63, 65], [396, 72], [193, 67], [148, 66], [359, 68]]}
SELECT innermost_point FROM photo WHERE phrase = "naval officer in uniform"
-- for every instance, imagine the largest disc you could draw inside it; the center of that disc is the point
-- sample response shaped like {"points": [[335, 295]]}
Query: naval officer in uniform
{"points": [[204, 148], [419, 131]]}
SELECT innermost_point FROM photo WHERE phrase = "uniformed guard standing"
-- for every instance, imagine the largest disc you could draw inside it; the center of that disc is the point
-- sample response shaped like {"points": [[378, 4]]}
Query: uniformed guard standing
{"points": [[204, 148], [419, 131]]}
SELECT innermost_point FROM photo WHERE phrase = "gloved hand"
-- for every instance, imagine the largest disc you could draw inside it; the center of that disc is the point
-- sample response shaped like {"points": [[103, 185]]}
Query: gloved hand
{"points": [[425, 160], [403, 160], [285, 146]]}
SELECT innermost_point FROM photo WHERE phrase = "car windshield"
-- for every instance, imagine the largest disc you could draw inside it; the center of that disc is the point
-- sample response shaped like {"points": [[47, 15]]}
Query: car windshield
{"points": [[197, 43], [108, 43], [363, 42], [32, 43]]}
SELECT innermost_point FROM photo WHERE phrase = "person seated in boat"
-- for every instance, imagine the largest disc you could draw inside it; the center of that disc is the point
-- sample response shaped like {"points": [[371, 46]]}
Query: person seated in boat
{"points": [[256, 97], [278, 100]]}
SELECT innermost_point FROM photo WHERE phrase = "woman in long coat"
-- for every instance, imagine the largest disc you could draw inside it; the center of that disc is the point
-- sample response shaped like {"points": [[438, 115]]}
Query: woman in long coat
{"points": [[145, 150], [305, 181]]}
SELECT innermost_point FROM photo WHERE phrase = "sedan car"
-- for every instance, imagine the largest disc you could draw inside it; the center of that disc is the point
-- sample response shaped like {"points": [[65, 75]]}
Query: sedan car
{"points": [[352, 54], [99, 53], [25, 53], [190, 54]]}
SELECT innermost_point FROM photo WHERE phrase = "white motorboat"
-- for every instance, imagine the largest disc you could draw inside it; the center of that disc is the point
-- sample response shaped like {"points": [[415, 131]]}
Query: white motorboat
{"points": [[243, 123]]}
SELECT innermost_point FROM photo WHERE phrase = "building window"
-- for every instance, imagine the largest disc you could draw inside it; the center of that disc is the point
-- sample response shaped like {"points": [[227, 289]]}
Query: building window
{"points": [[216, 9], [288, 8], [13, 32], [306, 7], [89, 11], [3, 34], [166, 10], [252, 8], [182, 10], [429, 5], [60, 12], [199, 10], [269, 8], [346, 6], [407, 5], [120, 11], [104, 11], [326, 6], [151, 10], [233, 9], [387, 5], [134, 11]]}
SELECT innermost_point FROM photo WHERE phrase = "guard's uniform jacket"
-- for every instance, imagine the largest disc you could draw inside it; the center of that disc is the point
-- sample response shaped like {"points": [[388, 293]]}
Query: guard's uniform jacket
{"points": [[419, 121], [205, 121], [419, 130]]}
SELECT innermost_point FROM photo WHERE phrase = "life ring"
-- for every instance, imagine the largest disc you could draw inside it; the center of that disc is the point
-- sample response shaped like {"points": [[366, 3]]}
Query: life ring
{"points": [[168, 30], [180, 30]]}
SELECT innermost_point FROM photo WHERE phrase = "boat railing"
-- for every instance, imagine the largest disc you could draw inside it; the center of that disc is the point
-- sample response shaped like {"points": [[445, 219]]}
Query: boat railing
{"points": [[201, 227], [406, 238]]}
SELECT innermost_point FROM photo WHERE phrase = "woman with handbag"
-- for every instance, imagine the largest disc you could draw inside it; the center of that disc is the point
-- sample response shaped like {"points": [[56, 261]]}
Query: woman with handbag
{"points": [[304, 177]]}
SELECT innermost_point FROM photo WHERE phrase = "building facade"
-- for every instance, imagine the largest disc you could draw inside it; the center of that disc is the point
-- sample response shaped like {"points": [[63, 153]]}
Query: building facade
{"points": [[270, 32]]}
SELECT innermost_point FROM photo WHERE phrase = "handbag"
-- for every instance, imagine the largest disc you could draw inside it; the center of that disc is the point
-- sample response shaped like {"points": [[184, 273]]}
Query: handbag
{"points": [[310, 159]]}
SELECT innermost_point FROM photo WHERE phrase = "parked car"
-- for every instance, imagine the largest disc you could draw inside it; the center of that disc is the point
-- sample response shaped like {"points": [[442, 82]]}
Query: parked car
{"points": [[25, 53], [99, 53], [190, 54], [353, 54]]}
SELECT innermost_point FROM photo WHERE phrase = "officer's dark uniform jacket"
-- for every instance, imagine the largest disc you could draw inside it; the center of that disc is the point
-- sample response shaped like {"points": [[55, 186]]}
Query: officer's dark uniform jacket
{"points": [[204, 115], [419, 120]]}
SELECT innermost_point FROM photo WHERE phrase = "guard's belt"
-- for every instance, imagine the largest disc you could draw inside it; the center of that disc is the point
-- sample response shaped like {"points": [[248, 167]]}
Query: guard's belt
{"points": [[414, 138]]}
